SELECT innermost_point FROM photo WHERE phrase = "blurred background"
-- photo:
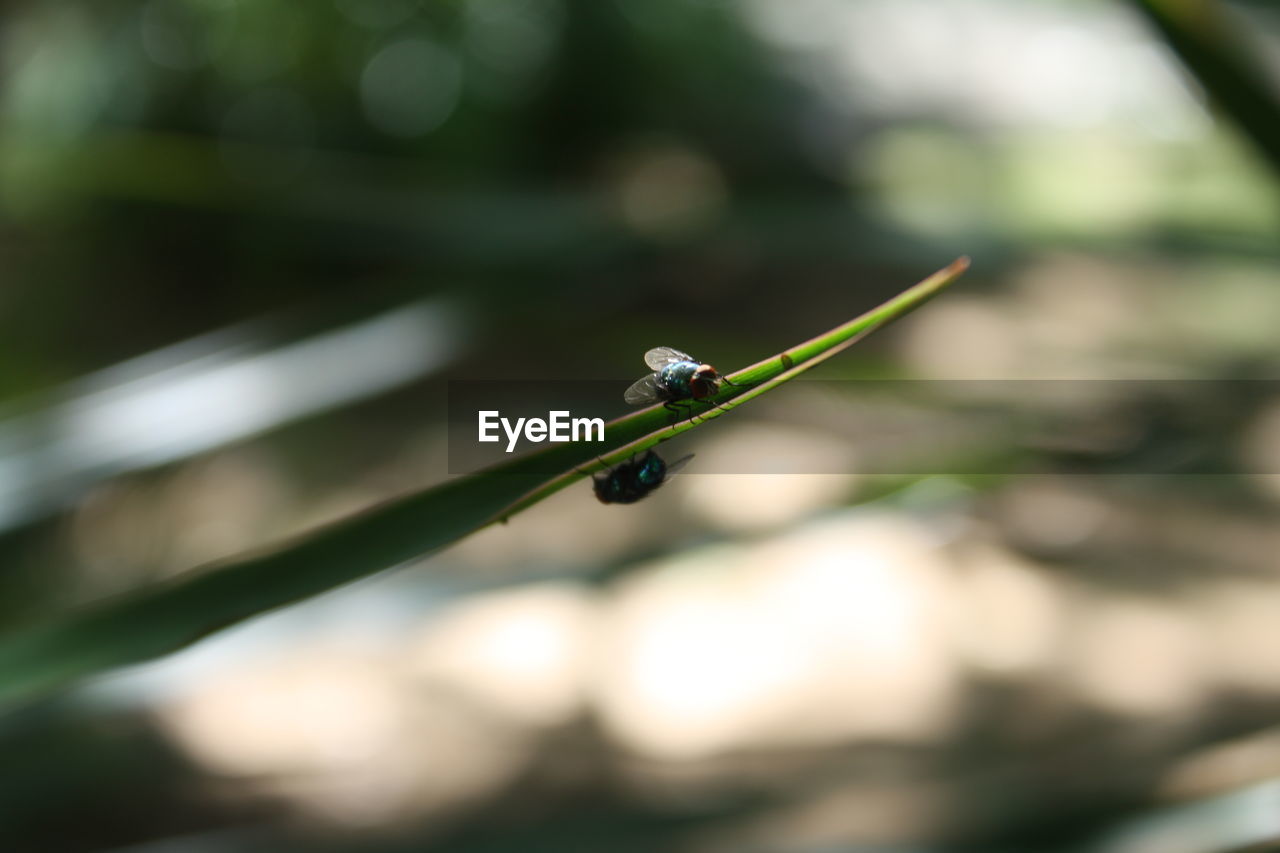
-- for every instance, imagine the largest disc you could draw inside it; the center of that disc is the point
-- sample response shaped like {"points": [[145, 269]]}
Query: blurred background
{"points": [[244, 245]]}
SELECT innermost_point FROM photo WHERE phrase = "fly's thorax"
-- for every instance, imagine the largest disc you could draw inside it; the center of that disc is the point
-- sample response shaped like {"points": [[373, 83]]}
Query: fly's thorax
{"points": [[676, 377]]}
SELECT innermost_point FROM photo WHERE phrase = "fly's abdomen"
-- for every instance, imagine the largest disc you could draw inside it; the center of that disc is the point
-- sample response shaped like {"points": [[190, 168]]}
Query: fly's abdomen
{"points": [[652, 471]]}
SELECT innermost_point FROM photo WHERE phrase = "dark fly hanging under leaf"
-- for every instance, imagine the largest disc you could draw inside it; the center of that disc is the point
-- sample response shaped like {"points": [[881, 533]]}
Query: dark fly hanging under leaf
{"points": [[634, 479]]}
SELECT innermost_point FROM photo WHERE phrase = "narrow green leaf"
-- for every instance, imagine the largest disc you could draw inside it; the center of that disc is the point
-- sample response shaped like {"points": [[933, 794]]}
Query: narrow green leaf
{"points": [[166, 617]]}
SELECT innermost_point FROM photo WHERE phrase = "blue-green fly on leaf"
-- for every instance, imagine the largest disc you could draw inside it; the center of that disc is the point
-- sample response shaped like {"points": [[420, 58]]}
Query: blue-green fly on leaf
{"points": [[634, 479], [676, 376]]}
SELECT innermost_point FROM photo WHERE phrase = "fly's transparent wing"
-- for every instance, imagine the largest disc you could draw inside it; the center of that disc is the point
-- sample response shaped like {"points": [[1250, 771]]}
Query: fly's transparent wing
{"points": [[659, 357], [674, 467], [643, 391]]}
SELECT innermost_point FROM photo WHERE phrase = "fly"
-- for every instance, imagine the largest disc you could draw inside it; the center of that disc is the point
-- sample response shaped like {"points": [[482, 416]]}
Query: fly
{"points": [[634, 479], [676, 377]]}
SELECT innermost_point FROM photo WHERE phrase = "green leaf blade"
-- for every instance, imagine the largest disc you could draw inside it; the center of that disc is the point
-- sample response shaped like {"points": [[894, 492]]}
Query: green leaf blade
{"points": [[169, 616]]}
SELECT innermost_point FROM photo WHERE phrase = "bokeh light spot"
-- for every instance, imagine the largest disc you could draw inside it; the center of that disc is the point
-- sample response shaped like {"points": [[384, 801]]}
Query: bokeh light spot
{"points": [[410, 87]]}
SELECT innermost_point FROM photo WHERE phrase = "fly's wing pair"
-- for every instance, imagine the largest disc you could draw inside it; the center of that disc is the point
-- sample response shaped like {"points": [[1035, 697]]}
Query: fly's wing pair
{"points": [[644, 391], [647, 390], [674, 467], [659, 357]]}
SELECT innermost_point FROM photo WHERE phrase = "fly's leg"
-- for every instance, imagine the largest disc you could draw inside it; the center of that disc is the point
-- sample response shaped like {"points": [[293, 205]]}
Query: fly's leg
{"points": [[714, 404], [679, 411], [682, 409], [599, 459]]}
